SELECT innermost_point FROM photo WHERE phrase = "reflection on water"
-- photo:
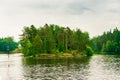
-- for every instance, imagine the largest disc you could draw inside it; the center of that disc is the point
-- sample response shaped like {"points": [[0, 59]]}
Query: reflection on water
{"points": [[100, 67], [104, 67], [10, 68], [56, 69]]}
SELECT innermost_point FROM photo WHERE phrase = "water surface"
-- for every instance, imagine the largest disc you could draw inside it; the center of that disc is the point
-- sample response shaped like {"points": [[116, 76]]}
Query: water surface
{"points": [[99, 67]]}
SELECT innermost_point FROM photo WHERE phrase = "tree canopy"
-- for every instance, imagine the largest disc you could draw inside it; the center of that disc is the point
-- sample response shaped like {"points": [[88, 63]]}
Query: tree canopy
{"points": [[52, 39], [108, 42], [8, 43]]}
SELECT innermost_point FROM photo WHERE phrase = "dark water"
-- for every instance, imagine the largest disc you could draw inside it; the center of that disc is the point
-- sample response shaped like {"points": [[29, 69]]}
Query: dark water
{"points": [[99, 67]]}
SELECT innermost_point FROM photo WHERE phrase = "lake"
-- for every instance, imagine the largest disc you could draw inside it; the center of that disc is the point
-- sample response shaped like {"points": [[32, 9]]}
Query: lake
{"points": [[98, 67]]}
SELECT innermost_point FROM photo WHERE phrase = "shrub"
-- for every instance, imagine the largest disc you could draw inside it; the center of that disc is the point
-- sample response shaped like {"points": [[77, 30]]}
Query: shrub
{"points": [[89, 51]]}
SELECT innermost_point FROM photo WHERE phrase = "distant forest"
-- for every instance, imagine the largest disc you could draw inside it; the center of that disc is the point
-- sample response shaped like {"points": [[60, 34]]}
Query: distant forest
{"points": [[7, 44], [108, 42]]}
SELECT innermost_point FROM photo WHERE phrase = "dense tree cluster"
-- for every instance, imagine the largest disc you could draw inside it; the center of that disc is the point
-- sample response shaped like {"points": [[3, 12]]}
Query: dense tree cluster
{"points": [[52, 39], [7, 44], [108, 42]]}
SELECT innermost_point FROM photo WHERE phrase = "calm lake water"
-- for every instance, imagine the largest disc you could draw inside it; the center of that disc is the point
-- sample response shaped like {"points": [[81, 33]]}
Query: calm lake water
{"points": [[99, 67]]}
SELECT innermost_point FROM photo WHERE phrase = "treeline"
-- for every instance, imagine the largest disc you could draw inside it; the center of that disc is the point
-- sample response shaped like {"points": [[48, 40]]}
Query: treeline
{"points": [[108, 42], [7, 43], [53, 39]]}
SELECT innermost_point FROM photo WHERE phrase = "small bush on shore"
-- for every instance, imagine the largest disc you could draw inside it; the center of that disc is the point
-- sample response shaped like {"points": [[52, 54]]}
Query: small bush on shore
{"points": [[89, 51]]}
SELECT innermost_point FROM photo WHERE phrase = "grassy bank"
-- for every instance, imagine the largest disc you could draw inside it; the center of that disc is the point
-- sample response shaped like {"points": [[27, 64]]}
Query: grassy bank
{"points": [[61, 55], [68, 53], [55, 55]]}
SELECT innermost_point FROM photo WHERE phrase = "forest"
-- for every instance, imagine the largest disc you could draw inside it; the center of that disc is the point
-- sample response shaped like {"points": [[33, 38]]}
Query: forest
{"points": [[54, 39], [107, 43], [7, 43]]}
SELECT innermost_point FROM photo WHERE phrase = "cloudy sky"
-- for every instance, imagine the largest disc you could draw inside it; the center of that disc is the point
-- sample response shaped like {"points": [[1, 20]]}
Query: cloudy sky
{"points": [[93, 16]]}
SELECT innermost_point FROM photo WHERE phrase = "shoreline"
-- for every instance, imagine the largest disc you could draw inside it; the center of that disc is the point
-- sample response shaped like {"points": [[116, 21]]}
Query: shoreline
{"points": [[53, 56]]}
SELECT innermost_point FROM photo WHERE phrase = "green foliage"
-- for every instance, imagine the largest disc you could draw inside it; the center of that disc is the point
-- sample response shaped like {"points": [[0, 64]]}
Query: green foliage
{"points": [[104, 48], [52, 39], [37, 45], [89, 51], [26, 47], [6, 43], [111, 46], [109, 42]]}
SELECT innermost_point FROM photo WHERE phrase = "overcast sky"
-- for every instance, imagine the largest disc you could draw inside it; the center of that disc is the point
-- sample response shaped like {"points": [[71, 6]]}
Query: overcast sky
{"points": [[93, 16]]}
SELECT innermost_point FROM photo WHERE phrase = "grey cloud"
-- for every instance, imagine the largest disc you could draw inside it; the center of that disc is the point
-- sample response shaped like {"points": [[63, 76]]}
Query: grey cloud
{"points": [[45, 8], [105, 6], [78, 8], [67, 7]]}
